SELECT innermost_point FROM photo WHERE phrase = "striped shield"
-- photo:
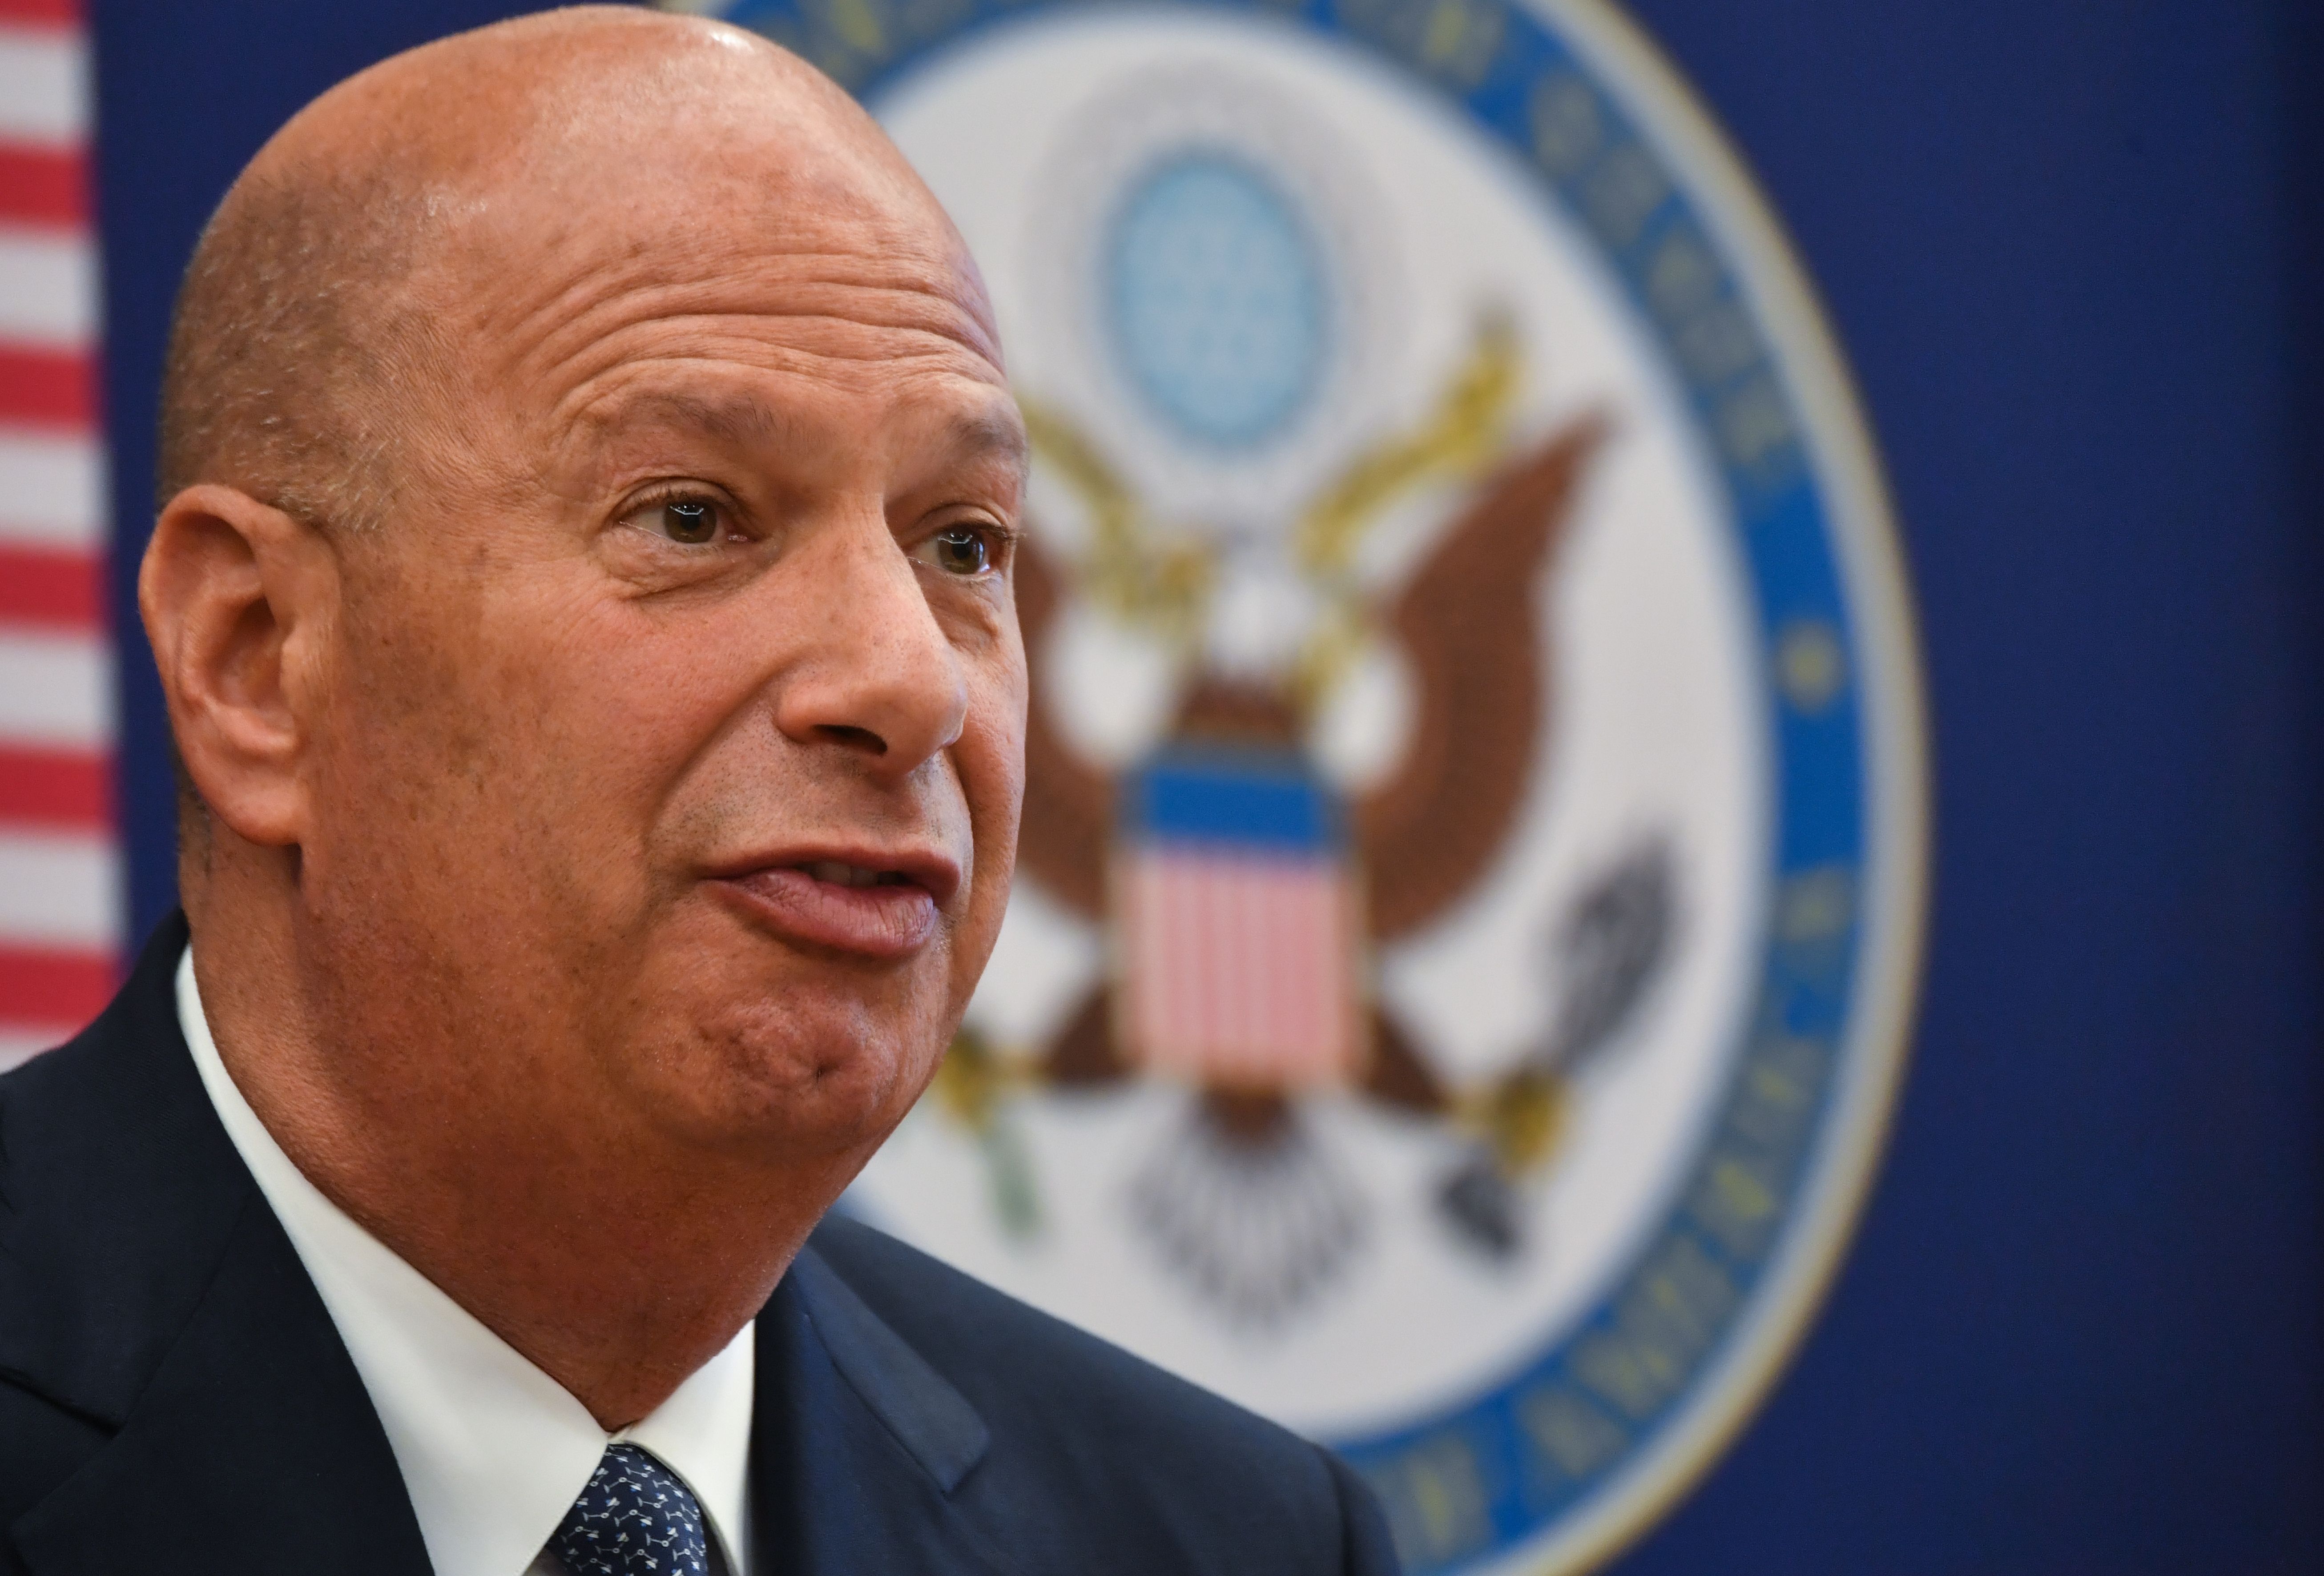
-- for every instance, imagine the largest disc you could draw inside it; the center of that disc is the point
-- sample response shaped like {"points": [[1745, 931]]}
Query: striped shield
{"points": [[1237, 923]]}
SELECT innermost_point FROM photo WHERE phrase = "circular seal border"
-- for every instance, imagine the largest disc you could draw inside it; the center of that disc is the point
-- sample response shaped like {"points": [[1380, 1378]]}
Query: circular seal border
{"points": [[1558, 1466]]}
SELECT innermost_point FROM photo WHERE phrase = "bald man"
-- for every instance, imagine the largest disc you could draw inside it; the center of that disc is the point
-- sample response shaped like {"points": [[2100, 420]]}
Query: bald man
{"points": [[583, 597]]}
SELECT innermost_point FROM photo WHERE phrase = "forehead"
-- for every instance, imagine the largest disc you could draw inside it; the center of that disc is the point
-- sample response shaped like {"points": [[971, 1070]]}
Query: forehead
{"points": [[644, 293], [680, 238], [772, 358]]}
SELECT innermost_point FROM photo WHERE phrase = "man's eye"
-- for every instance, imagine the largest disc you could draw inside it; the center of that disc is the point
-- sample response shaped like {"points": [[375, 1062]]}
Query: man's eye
{"points": [[961, 549], [693, 521]]}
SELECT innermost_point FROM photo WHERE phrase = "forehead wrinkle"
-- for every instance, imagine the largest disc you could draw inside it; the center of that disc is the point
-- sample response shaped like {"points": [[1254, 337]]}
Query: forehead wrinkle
{"points": [[588, 393], [562, 323], [722, 337], [591, 405]]}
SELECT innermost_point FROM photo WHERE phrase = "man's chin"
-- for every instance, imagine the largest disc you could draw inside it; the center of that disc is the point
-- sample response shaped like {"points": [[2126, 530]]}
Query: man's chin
{"points": [[815, 1074]]}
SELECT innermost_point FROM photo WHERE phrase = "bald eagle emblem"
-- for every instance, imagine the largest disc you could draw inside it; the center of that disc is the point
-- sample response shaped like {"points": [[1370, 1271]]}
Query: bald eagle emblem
{"points": [[1244, 897]]}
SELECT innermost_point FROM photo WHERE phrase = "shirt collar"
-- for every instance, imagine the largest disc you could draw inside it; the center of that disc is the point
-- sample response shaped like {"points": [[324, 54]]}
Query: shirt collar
{"points": [[493, 1451]]}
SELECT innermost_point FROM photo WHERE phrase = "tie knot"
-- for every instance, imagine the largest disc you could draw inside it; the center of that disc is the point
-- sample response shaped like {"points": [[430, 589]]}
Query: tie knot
{"points": [[634, 1518]]}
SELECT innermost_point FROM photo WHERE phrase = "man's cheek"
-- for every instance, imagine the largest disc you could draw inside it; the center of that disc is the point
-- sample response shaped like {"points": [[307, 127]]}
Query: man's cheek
{"points": [[666, 682], [631, 708]]}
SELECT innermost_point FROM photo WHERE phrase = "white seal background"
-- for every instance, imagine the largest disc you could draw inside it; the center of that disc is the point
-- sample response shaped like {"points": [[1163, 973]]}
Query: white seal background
{"points": [[1658, 726]]}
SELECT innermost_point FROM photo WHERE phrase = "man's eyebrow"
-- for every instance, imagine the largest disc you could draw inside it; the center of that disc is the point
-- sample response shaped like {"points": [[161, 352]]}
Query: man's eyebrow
{"points": [[990, 431], [742, 420]]}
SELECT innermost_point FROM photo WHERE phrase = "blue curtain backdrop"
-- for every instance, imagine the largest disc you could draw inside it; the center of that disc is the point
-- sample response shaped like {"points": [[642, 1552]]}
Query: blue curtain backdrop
{"points": [[2074, 251]]}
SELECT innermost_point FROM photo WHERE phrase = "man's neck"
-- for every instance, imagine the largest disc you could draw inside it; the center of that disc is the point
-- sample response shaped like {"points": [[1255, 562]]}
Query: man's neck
{"points": [[615, 1261]]}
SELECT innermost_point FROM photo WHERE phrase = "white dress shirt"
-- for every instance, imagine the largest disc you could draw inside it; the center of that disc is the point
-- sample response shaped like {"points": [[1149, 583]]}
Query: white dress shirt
{"points": [[492, 1450]]}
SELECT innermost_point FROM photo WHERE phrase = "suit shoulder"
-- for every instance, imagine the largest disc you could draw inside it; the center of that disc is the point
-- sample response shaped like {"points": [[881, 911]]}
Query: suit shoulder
{"points": [[64, 1078], [1166, 1466], [1004, 1354]]}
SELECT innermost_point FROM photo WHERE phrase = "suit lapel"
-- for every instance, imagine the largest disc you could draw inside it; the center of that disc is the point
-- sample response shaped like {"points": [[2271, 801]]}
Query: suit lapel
{"points": [[147, 1286], [857, 1444], [117, 1189], [255, 1447]]}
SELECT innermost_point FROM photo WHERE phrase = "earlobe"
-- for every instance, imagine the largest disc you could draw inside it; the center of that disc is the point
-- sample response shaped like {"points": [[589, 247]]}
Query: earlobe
{"points": [[237, 597]]}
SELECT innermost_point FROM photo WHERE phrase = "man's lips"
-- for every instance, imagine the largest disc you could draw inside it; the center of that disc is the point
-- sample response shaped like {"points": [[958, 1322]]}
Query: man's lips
{"points": [[881, 903]]}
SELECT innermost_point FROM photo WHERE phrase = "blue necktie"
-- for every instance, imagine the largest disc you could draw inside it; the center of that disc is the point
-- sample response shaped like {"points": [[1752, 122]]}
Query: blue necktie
{"points": [[634, 1518]]}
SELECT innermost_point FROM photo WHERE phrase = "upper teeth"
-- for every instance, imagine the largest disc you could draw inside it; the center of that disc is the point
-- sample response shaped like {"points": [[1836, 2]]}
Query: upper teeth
{"points": [[844, 875]]}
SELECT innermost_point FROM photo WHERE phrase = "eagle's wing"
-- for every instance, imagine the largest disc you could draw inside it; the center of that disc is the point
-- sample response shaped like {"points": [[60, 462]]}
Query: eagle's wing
{"points": [[1467, 623], [1068, 818]]}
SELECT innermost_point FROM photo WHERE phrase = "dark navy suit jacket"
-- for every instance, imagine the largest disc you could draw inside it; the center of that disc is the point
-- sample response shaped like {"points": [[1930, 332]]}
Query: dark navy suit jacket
{"points": [[174, 1396]]}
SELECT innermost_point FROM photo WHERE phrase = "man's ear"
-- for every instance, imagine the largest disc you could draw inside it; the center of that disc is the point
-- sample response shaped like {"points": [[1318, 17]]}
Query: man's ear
{"points": [[239, 600]]}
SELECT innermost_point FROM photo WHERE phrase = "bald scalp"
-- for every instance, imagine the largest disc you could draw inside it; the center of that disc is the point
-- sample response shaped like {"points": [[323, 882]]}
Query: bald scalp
{"points": [[317, 326], [287, 348]]}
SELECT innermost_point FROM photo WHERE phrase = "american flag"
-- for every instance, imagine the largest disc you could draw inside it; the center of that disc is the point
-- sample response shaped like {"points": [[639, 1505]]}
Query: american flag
{"points": [[60, 880], [1237, 918]]}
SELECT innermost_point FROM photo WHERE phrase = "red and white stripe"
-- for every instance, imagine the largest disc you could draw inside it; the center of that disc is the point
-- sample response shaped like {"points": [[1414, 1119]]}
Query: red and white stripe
{"points": [[60, 876], [1241, 966]]}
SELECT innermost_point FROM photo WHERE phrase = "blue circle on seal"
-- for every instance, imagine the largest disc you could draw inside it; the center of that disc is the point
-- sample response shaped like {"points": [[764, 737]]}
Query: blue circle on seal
{"points": [[1214, 291]]}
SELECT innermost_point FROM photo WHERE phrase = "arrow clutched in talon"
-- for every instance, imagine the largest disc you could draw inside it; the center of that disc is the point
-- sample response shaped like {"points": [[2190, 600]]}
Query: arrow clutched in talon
{"points": [[1615, 941]]}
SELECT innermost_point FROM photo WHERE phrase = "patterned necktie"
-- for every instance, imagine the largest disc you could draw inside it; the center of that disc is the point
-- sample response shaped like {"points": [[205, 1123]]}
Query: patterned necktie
{"points": [[634, 1517]]}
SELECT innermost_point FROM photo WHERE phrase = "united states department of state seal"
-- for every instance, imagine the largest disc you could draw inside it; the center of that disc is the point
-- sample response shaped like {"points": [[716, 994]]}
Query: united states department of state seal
{"points": [[1472, 860]]}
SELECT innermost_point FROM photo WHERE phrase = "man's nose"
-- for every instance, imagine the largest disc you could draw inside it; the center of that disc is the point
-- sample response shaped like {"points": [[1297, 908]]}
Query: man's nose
{"points": [[874, 671]]}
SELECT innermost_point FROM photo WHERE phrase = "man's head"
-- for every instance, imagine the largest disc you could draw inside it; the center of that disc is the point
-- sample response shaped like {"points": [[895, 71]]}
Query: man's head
{"points": [[582, 593]]}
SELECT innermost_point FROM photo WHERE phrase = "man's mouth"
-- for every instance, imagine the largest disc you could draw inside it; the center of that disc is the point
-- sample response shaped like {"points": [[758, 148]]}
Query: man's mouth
{"points": [[855, 875], [881, 907]]}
